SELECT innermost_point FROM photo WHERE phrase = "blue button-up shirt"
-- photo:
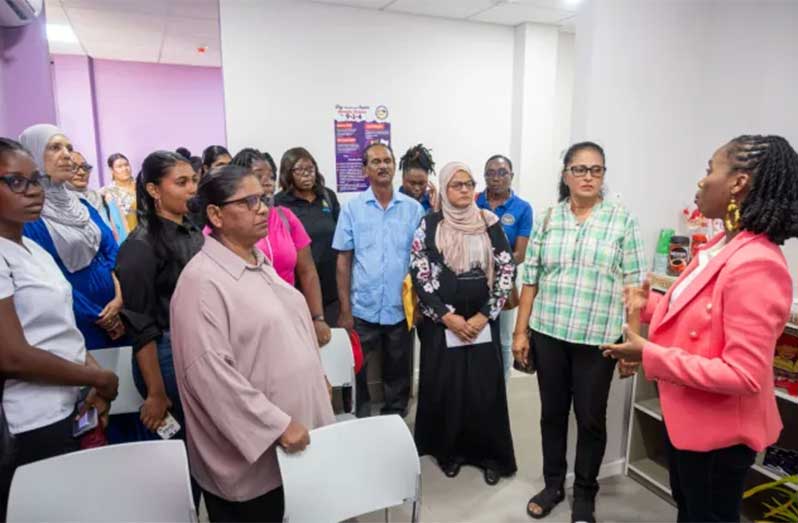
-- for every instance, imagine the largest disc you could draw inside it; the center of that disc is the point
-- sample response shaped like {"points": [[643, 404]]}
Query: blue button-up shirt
{"points": [[380, 239], [515, 215]]}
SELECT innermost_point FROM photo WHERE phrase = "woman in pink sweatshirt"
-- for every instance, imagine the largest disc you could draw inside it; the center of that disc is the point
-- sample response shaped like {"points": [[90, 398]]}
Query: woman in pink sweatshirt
{"points": [[712, 336]]}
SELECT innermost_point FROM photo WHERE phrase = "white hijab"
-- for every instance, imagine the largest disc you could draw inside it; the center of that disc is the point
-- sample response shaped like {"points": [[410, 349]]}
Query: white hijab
{"points": [[75, 236]]}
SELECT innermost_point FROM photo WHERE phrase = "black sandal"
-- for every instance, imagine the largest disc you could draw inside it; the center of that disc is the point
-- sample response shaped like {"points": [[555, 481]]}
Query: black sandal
{"points": [[546, 499], [584, 510]]}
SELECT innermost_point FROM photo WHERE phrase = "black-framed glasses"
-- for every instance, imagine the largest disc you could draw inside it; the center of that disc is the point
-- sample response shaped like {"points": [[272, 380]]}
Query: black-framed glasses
{"points": [[581, 170], [253, 201], [458, 186], [19, 184], [498, 173], [84, 166]]}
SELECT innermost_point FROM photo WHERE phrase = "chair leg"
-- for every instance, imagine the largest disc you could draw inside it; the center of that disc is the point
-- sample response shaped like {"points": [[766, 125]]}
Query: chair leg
{"points": [[387, 511], [414, 515]]}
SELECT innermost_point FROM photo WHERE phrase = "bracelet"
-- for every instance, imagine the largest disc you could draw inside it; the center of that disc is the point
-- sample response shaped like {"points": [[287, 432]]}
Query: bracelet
{"points": [[319, 317]]}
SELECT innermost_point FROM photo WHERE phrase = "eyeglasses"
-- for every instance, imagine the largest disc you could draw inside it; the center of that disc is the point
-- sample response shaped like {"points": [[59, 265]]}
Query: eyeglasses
{"points": [[501, 173], [19, 184], [307, 171], [581, 170], [84, 166], [253, 201], [458, 186]]}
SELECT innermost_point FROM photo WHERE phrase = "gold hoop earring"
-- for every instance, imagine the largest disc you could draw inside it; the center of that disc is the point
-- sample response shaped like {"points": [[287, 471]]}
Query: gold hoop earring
{"points": [[732, 220]]}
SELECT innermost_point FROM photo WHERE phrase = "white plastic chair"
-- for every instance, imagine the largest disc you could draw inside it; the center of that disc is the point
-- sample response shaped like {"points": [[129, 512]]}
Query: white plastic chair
{"points": [[142, 482], [339, 366], [375, 464], [120, 360]]}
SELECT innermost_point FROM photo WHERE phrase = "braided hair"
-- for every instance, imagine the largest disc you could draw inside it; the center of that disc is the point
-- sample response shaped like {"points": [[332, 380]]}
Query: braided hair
{"points": [[418, 157], [771, 206]]}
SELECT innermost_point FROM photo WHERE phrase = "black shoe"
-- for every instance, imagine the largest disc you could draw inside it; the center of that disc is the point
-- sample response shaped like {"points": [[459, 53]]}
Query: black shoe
{"points": [[451, 468], [492, 476], [546, 499], [584, 510]]}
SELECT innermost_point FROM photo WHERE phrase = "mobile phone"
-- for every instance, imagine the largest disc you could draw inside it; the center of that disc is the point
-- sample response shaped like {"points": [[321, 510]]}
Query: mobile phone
{"points": [[169, 427], [85, 423]]}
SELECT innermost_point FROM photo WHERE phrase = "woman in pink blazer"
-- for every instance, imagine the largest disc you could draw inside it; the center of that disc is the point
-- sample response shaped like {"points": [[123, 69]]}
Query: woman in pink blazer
{"points": [[712, 336]]}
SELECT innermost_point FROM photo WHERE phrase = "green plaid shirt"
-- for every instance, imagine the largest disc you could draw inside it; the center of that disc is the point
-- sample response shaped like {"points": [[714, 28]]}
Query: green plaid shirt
{"points": [[581, 270]]}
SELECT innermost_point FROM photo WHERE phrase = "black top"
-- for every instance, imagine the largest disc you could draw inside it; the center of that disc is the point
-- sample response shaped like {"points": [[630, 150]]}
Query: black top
{"points": [[319, 219], [148, 273]]}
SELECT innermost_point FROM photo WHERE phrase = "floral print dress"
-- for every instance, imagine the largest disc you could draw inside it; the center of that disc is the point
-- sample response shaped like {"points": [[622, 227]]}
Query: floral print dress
{"points": [[462, 402]]}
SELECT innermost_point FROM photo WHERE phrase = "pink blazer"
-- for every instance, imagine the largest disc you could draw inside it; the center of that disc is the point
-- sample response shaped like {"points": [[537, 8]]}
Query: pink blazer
{"points": [[711, 352]]}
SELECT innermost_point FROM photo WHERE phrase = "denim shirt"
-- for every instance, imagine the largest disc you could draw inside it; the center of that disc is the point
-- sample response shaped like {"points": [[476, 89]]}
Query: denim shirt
{"points": [[380, 239]]}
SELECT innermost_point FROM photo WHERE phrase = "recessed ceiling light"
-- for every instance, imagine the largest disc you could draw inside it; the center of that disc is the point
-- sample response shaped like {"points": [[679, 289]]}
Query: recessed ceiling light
{"points": [[61, 33]]}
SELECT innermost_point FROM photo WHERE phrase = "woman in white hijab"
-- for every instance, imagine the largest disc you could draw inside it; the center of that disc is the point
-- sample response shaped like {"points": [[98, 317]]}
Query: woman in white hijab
{"points": [[462, 270], [75, 235]]}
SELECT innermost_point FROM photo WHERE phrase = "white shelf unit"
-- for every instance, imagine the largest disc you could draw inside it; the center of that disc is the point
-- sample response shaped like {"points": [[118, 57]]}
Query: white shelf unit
{"points": [[646, 459]]}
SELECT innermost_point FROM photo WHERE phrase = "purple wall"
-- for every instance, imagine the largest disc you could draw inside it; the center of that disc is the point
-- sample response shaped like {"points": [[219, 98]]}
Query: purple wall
{"points": [[26, 87], [138, 107], [144, 107], [74, 104]]}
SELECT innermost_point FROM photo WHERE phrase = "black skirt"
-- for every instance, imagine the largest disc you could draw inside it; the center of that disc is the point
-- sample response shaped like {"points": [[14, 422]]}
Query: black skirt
{"points": [[462, 400]]}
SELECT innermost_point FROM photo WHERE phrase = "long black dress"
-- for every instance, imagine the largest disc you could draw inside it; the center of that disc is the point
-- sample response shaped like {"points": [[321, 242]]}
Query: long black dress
{"points": [[462, 400]]}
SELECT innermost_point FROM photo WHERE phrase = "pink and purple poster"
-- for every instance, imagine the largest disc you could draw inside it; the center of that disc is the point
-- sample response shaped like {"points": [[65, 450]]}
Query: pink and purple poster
{"points": [[356, 127]]}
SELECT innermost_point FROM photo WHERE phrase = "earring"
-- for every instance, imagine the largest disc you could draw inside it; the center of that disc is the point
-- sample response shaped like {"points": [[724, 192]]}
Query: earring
{"points": [[732, 220]]}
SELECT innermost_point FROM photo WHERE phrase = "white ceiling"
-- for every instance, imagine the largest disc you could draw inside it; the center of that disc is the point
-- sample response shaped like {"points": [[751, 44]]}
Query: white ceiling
{"points": [[171, 31]]}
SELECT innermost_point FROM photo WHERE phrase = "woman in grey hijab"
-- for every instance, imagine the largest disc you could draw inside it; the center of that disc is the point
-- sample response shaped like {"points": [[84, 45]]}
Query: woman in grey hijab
{"points": [[75, 235]]}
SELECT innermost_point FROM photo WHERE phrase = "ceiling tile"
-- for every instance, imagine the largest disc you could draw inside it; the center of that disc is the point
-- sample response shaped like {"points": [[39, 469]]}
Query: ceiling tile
{"points": [[95, 27], [148, 7], [565, 5], [514, 14], [55, 13], [130, 53], [201, 29], [368, 4], [207, 9], [177, 50], [444, 8]]}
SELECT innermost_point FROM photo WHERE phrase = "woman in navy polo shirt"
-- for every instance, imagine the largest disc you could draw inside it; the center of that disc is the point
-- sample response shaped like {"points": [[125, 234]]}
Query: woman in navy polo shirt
{"points": [[515, 216]]}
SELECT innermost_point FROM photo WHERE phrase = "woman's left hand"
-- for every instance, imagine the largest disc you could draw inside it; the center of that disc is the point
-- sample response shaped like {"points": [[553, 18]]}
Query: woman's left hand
{"points": [[631, 350], [323, 332], [478, 321]]}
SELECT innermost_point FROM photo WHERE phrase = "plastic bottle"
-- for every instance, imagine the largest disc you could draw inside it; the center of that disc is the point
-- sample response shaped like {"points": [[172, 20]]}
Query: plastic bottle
{"points": [[661, 255]]}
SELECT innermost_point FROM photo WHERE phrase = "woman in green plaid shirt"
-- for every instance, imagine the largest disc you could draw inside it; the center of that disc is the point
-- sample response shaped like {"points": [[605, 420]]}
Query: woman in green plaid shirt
{"points": [[581, 256]]}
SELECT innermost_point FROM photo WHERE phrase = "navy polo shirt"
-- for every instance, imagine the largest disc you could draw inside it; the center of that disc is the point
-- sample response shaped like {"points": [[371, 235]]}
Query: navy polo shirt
{"points": [[515, 216], [424, 201]]}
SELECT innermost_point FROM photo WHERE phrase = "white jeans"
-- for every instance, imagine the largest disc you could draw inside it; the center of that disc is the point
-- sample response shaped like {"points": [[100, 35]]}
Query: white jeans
{"points": [[506, 327]]}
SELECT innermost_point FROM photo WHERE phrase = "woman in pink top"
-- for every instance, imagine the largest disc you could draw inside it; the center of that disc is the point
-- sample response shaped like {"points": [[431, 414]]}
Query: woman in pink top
{"points": [[713, 335], [246, 357], [287, 245]]}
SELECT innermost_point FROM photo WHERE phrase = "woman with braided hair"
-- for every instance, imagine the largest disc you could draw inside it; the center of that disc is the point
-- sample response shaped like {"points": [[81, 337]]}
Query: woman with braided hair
{"points": [[712, 335], [416, 166]]}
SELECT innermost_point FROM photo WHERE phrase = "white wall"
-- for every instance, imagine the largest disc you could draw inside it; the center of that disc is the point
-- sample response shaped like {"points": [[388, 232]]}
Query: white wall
{"points": [[286, 65], [661, 85]]}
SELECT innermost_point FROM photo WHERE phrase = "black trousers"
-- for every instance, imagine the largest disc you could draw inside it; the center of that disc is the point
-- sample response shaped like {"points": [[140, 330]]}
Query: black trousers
{"points": [[396, 345], [34, 445], [267, 508], [708, 486], [568, 371]]}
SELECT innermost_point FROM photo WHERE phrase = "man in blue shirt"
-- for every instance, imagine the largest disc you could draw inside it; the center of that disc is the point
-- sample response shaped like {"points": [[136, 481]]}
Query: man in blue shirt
{"points": [[373, 237], [515, 215]]}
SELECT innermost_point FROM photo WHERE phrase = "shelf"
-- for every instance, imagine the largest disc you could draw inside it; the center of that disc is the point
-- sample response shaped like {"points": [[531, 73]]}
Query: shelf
{"points": [[650, 407], [654, 473], [783, 394], [775, 476]]}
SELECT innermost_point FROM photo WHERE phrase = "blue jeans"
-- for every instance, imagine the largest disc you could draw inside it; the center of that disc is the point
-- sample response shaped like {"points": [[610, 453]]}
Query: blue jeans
{"points": [[164, 348]]}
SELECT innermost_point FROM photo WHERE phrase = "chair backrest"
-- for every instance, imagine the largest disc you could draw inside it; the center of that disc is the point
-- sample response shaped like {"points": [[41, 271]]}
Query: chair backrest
{"points": [[374, 462], [120, 360], [337, 359], [145, 481]]}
